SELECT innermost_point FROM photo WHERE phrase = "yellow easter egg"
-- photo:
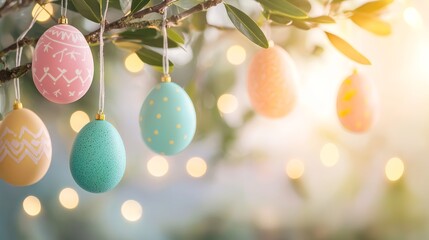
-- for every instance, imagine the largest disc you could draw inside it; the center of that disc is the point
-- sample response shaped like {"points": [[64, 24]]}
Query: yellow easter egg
{"points": [[25, 148], [272, 82], [357, 103]]}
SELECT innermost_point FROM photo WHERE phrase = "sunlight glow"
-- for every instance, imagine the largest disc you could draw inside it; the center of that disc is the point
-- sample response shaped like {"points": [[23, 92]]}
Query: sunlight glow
{"points": [[196, 167], [157, 166], [69, 198], [394, 169], [78, 120], [227, 103], [32, 205], [131, 210], [295, 168]]}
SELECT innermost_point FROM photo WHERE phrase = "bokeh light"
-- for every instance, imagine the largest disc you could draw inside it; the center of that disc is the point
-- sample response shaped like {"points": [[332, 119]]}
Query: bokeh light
{"points": [[78, 120], [157, 166], [133, 63], [131, 210], [295, 168], [236, 55], [196, 167], [69, 198], [227, 103], [45, 12], [32, 206], [329, 155], [394, 169], [412, 17]]}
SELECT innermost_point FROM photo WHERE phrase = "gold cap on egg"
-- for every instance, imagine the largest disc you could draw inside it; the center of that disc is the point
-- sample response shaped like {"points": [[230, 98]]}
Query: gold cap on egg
{"points": [[63, 20], [17, 105], [166, 78], [100, 116]]}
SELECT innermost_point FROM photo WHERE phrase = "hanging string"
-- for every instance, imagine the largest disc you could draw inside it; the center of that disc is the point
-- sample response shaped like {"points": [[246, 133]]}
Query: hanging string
{"points": [[19, 53], [64, 7], [102, 27], [165, 63]]}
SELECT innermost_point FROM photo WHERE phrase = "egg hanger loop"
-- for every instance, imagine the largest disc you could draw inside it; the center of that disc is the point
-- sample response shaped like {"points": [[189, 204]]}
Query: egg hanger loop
{"points": [[64, 5], [63, 19], [18, 56], [100, 114], [165, 62]]}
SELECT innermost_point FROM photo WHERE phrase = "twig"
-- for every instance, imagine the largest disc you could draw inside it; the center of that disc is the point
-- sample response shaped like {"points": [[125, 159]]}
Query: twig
{"points": [[130, 21], [9, 74]]}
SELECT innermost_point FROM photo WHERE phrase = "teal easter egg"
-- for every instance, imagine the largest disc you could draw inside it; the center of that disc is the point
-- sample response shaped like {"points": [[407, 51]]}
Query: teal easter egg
{"points": [[97, 160], [167, 119]]}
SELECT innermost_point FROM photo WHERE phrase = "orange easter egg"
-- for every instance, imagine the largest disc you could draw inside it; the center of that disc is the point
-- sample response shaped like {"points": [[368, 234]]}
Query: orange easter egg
{"points": [[25, 148], [272, 82], [356, 103]]}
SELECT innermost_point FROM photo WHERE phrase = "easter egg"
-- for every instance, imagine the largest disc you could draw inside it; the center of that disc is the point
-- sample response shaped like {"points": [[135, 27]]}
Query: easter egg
{"points": [[356, 103], [62, 65], [25, 148], [272, 82], [167, 119], [98, 158]]}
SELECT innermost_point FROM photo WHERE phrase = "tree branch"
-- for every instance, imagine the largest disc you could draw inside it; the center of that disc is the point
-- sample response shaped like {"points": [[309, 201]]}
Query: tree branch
{"points": [[9, 74], [130, 21]]}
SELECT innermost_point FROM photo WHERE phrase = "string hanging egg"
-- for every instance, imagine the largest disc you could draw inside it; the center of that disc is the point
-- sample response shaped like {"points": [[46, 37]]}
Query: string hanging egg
{"points": [[167, 119], [356, 103], [25, 147], [167, 116], [272, 82], [62, 65], [98, 158]]}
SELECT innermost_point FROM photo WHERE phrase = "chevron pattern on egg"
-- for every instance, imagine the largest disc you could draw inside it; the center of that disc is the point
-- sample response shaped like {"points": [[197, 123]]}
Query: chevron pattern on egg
{"points": [[19, 147]]}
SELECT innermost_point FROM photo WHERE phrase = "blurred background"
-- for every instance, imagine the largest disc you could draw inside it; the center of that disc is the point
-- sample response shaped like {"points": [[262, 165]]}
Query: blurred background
{"points": [[244, 176]]}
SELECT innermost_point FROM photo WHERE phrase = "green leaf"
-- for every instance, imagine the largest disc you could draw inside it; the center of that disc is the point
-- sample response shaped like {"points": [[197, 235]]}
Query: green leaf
{"points": [[246, 26], [137, 5], [150, 37], [301, 24], [372, 23], [89, 9], [132, 46], [346, 49], [151, 57], [283, 7], [304, 5], [175, 36], [374, 6]]}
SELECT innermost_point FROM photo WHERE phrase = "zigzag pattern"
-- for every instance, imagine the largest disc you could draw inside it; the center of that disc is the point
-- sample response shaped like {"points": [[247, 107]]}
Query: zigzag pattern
{"points": [[75, 37], [19, 147], [61, 74]]}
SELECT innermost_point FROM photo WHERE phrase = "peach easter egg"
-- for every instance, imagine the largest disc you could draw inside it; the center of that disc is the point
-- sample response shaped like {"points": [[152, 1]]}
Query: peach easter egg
{"points": [[25, 148], [62, 65], [272, 82], [357, 103]]}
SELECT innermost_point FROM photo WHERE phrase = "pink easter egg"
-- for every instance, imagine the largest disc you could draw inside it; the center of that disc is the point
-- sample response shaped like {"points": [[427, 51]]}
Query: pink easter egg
{"points": [[357, 103], [272, 82], [63, 66]]}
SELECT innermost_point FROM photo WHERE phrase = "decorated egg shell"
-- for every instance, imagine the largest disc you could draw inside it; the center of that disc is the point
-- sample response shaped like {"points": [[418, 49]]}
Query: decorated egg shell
{"points": [[167, 119], [25, 148], [357, 103], [272, 82], [98, 157], [62, 65]]}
